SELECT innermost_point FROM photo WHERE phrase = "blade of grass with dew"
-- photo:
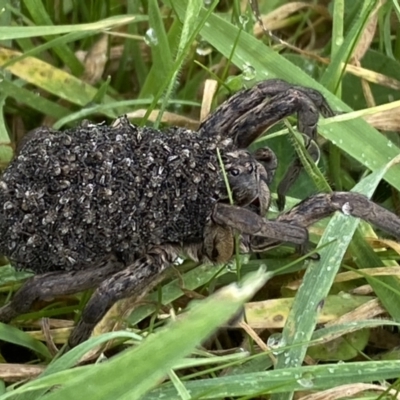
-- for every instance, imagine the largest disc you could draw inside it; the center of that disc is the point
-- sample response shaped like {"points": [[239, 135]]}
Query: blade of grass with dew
{"points": [[303, 316], [179, 60], [60, 364], [276, 381], [337, 40], [333, 73], [186, 38], [41, 17], [308, 163], [157, 39], [267, 63], [334, 159], [17, 32], [329, 333], [156, 355], [151, 85]]}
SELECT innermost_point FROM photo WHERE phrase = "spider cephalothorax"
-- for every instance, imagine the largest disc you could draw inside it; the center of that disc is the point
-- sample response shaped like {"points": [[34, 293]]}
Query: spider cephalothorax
{"points": [[111, 207]]}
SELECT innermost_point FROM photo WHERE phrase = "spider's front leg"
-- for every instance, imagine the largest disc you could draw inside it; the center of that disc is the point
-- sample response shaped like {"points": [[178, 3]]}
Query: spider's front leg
{"points": [[355, 204], [249, 113], [137, 278], [323, 205], [247, 222], [226, 220]]}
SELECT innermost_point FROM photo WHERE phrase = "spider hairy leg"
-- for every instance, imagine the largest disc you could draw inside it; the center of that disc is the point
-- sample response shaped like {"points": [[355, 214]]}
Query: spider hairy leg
{"points": [[249, 223], [225, 118], [357, 205], [323, 205], [52, 284], [138, 278]]}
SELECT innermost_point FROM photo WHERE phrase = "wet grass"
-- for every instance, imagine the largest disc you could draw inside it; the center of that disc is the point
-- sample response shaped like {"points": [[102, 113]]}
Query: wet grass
{"points": [[61, 62]]}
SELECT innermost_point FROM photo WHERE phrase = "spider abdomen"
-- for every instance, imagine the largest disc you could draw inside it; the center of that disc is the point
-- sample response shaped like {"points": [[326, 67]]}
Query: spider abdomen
{"points": [[71, 198]]}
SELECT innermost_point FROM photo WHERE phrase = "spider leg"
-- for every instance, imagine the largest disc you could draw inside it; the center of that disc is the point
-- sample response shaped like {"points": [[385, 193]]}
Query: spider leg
{"points": [[249, 223], [49, 285], [321, 206], [355, 204], [225, 117], [137, 278]]}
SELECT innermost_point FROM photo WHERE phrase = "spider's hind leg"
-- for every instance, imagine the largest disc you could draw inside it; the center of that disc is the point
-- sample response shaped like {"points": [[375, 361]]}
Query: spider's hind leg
{"points": [[52, 284], [137, 279]]}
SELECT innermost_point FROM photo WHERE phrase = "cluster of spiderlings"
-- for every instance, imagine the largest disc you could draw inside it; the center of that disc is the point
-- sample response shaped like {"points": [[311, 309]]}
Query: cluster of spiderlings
{"points": [[70, 199]]}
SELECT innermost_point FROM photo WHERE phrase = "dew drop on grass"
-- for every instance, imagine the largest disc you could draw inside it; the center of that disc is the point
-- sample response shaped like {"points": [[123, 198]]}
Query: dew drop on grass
{"points": [[306, 380], [249, 72], [150, 37], [207, 3], [203, 48], [243, 21], [276, 343]]}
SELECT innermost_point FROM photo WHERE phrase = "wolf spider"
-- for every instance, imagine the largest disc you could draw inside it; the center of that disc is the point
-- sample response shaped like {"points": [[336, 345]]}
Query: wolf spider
{"points": [[112, 207]]}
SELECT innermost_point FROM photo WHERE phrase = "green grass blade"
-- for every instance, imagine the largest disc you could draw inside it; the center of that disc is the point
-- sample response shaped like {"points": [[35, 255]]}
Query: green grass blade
{"points": [[13, 335], [269, 64], [333, 73], [156, 355], [41, 17], [315, 377], [303, 316], [18, 32], [158, 41]]}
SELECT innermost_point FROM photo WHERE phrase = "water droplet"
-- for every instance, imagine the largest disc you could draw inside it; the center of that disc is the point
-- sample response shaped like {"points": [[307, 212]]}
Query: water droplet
{"points": [[207, 3], [203, 48], [243, 21], [150, 37], [249, 72], [390, 144], [231, 267], [306, 380], [276, 342], [346, 208], [179, 261]]}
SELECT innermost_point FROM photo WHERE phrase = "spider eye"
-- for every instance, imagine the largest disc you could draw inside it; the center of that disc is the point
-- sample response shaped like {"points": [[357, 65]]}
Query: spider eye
{"points": [[251, 169], [234, 172]]}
